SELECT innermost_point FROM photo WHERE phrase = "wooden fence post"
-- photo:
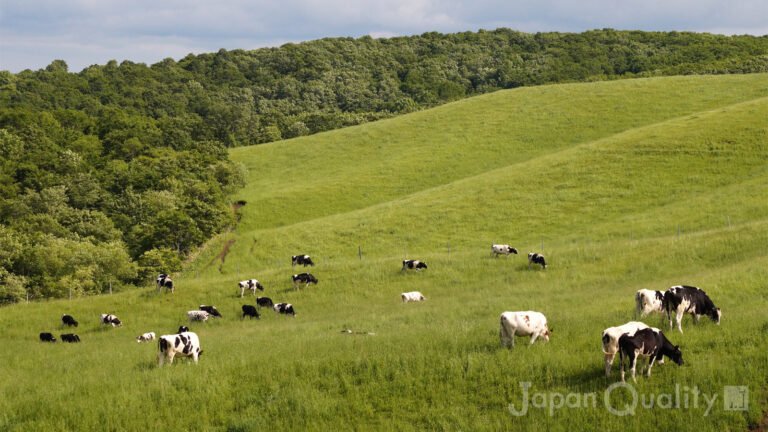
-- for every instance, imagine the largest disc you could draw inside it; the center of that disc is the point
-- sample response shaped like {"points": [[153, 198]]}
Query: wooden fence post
{"points": [[360, 252]]}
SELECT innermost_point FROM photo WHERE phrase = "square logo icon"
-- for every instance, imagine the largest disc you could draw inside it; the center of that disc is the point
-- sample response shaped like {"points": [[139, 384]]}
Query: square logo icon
{"points": [[736, 398]]}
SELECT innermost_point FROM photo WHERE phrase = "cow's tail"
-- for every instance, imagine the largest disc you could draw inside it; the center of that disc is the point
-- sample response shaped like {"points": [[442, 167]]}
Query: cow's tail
{"points": [[638, 303], [606, 343]]}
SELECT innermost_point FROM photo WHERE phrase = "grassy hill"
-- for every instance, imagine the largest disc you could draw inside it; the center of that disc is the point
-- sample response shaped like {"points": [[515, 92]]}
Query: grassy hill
{"points": [[630, 184]]}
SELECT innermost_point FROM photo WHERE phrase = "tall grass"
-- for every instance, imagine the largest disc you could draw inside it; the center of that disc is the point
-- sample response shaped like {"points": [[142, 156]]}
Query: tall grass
{"points": [[607, 206]]}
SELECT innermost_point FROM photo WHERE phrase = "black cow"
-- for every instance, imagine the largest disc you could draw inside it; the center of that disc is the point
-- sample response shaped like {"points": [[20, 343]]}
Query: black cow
{"points": [[647, 343], [211, 310], [305, 278], [164, 281], [682, 299], [264, 301], [304, 260], [414, 265], [536, 259], [284, 308], [183, 329], [250, 311], [70, 337], [47, 337], [67, 320]]}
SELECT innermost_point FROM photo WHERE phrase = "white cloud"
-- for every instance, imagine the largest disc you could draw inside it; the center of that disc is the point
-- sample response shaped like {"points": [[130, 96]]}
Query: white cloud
{"points": [[84, 32]]}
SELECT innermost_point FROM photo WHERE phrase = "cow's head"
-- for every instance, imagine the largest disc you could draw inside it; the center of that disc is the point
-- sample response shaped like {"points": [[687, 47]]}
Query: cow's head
{"points": [[422, 265], [513, 250], [259, 287], [547, 333], [715, 314], [677, 356], [183, 329]]}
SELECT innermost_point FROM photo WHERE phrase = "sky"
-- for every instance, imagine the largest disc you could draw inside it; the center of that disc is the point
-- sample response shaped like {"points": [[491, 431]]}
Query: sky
{"points": [[84, 32]]}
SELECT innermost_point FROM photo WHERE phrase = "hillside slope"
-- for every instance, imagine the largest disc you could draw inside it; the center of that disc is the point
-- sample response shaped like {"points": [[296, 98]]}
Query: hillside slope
{"points": [[671, 188]]}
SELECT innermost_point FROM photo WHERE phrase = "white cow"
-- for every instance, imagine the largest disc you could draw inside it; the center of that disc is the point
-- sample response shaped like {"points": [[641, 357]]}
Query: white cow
{"points": [[497, 250], [528, 323], [251, 284], [412, 296], [647, 301], [611, 337], [109, 319], [184, 344], [198, 315], [146, 337]]}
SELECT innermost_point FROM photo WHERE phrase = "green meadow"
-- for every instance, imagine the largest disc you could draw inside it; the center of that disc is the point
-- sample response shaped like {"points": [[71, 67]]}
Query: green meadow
{"points": [[622, 185]]}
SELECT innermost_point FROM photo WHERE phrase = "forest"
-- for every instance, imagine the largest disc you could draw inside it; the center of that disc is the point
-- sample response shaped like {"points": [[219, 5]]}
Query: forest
{"points": [[117, 172]]}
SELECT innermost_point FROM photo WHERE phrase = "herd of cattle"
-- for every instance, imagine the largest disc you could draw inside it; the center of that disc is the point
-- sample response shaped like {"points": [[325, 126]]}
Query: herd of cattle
{"points": [[634, 340]]}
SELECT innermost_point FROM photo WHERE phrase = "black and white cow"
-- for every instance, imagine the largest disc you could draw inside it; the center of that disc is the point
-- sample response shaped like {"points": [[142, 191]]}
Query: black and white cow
{"points": [[687, 299], [182, 329], [497, 250], [284, 308], [211, 310], [305, 278], [536, 258], [164, 281], [146, 337], [198, 315], [70, 338], [413, 265], [47, 337], [264, 301], [183, 345], [647, 301], [250, 311], [304, 260], [251, 284], [649, 344], [67, 320], [109, 319]]}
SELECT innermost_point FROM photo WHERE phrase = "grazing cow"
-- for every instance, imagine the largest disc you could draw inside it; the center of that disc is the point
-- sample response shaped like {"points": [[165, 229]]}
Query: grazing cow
{"points": [[647, 301], [251, 284], [536, 259], [47, 337], [211, 310], [70, 338], [164, 281], [264, 301], [250, 311], [305, 278], [497, 250], [611, 337], [183, 329], [183, 344], [692, 300], [649, 344], [284, 308], [109, 319], [414, 264], [147, 337], [304, 260], [529, 323], [67, 320], [412, 296], [197, 315]]}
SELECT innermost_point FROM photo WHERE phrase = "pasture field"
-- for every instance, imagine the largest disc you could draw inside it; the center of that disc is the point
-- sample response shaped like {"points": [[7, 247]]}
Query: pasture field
{"points": [[630, 184]]}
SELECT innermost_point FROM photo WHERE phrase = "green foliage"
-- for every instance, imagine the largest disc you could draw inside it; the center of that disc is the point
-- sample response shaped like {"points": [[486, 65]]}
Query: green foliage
{"points": [[156, 261]]}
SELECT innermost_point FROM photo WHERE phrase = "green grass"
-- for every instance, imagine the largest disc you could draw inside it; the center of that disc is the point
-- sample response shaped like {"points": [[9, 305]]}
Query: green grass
{"points": [[603, 173]]}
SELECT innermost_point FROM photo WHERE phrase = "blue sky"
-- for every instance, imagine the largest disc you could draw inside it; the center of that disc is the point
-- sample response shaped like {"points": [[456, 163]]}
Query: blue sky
{"points": [[86, 32]]}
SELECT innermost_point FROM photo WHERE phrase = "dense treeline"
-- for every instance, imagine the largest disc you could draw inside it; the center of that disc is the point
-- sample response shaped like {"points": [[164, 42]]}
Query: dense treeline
{"points": [[118, 171]]}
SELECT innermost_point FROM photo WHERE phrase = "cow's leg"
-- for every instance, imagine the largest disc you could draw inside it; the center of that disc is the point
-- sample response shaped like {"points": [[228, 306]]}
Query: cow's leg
{"points": [[650, 365], [695, 318], [242, 291], [679, 319], [621, 364], [633, 361], [608, 363], [160, 356], [533, 337]]}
